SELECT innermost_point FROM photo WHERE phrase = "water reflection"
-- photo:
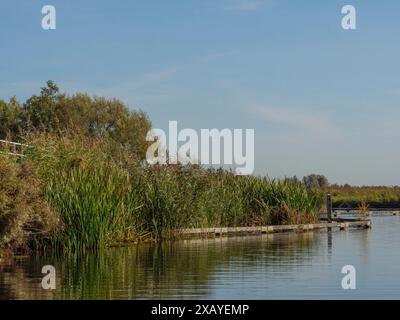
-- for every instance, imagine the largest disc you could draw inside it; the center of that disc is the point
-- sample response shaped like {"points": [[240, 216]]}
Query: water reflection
{"points": [[270, 266], [329, 237], [179, 269]]}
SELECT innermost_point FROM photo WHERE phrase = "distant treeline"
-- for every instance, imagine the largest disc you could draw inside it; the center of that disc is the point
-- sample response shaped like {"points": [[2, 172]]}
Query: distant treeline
{"points": [[347, 196]]}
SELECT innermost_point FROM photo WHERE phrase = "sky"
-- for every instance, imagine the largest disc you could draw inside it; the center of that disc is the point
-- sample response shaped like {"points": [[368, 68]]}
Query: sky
{"points": [[320, 98]]}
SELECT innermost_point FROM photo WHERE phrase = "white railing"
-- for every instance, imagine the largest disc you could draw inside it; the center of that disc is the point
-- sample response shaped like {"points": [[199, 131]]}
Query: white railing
{"points": [[12, 148]]}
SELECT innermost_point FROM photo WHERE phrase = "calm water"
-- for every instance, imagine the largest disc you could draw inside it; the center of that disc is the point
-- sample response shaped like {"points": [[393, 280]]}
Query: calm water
{"points": [[289, 266]]}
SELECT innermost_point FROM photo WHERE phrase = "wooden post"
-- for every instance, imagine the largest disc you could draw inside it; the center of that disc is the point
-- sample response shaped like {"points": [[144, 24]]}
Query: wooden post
{"points": [[329, 206]]}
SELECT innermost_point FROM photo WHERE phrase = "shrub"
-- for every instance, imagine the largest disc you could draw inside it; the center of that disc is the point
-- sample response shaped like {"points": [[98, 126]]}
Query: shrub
{"points": [[24, 216]]}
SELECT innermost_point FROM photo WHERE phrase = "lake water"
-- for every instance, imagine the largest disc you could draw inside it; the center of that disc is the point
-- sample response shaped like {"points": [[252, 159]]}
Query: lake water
{"points": [[276, 266]]}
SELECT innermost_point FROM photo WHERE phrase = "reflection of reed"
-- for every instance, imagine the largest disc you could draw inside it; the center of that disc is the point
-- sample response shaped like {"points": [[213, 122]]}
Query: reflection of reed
{"points": [[176, 269]]}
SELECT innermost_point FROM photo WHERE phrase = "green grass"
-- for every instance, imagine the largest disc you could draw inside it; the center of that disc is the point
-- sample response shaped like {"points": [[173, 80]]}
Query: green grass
{"points": [[98, 206]]}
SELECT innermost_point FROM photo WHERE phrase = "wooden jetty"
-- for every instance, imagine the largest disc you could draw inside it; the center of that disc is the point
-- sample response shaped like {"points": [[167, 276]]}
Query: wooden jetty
{"points": [[340, 225], [371, 212]]}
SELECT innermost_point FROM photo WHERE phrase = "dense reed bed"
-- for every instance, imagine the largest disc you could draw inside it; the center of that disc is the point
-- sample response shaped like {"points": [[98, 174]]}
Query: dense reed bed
{"points": [[104, 200]]}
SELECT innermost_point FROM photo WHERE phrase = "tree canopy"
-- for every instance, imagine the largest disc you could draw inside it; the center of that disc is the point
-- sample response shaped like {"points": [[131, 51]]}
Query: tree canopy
{"points": [[54, 112], [315, 181]]}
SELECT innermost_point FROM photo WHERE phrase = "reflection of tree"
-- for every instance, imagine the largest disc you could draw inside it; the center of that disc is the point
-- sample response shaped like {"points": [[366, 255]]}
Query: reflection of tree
{"points": [[179, 269]]}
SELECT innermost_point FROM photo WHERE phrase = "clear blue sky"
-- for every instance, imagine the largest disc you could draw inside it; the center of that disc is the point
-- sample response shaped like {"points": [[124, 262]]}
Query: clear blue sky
{"points": [[321, 99]]}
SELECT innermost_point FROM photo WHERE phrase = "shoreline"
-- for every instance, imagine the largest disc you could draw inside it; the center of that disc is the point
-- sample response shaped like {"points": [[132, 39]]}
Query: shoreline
{"points": [[198, 233]]}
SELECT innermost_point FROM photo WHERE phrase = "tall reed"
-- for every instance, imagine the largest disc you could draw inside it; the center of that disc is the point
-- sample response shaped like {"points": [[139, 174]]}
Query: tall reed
{"points": [[104, 198]]}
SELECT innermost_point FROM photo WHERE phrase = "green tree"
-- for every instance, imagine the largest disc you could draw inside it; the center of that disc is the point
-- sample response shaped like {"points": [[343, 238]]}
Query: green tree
{"points": [[315, 181], [43, 112], [11, 115], [56, 113]]}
